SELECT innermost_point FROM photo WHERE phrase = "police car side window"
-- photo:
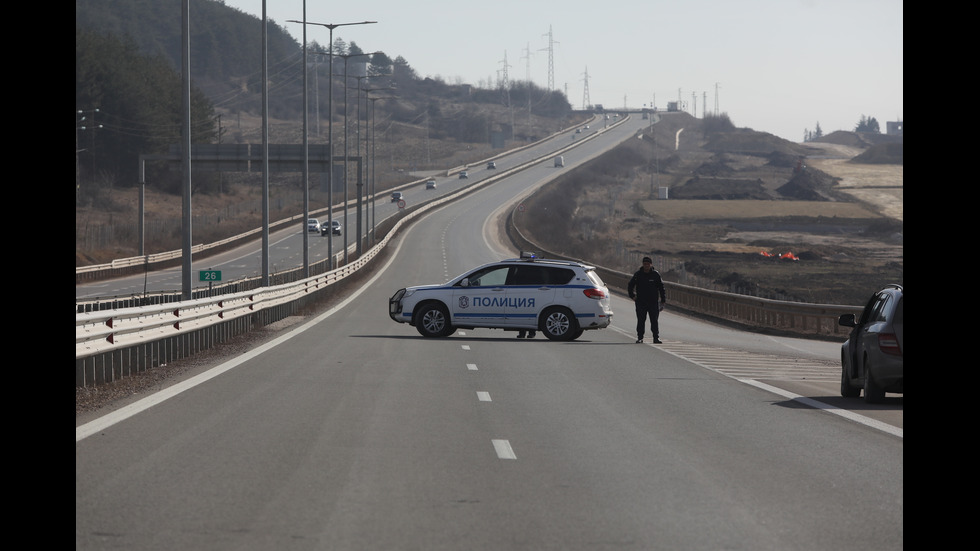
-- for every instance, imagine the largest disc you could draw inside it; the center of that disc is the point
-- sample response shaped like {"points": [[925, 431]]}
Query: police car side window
{"points": [[559, 276], [489, 277], [527, 275], [539, 275]]}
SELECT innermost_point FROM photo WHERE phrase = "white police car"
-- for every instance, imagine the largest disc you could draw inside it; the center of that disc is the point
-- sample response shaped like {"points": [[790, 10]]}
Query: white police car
{"points": [[557, 297]]}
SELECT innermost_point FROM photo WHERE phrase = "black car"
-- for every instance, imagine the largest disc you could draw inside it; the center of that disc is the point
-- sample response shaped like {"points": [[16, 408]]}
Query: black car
{"points": [[872, 358], [335, 224], [491, 165]]}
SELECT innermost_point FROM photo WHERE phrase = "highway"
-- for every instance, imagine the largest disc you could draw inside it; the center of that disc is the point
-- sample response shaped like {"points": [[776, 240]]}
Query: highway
{"points": [[349, 431], [286, 245]]}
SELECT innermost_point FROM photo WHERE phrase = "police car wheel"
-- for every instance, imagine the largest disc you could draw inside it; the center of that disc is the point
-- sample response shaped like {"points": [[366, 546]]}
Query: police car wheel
{"points": [[433, 321], [558, 324]]}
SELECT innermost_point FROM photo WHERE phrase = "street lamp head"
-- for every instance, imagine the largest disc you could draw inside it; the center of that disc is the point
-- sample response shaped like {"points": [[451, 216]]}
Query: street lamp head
{"points": [[332, 26]]}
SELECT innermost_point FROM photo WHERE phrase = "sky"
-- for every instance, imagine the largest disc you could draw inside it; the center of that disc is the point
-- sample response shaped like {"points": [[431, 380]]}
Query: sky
{"points": [[777, 66]]}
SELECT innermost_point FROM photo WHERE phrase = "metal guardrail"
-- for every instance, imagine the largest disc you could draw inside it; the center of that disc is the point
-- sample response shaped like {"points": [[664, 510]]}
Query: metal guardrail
{"points": [[126, 266], [111, 344], [752, 313], [109, 330]]}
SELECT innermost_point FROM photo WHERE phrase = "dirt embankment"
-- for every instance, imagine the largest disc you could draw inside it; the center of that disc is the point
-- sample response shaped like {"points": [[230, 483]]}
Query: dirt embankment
{"points": [[734, 205]]}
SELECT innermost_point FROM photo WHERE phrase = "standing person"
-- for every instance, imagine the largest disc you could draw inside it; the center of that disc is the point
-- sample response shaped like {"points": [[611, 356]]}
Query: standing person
{"points": [[645, 287]]}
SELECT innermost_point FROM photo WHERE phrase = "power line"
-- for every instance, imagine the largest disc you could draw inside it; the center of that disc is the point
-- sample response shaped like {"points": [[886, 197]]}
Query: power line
{"points": [[551, 59], [585, 93]]}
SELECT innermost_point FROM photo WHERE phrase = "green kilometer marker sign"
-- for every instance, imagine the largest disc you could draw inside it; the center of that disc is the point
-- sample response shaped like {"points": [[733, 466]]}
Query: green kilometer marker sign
{"points": [[210, 275]]}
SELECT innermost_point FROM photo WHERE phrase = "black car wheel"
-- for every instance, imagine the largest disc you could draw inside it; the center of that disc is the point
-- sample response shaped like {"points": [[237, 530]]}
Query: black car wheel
{"points": [[558, 324], [432, 320], [872, 392], [846, 390]]}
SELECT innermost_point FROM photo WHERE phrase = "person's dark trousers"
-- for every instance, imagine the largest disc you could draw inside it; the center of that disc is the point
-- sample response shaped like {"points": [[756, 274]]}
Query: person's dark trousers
{"points": [[644, 310]]}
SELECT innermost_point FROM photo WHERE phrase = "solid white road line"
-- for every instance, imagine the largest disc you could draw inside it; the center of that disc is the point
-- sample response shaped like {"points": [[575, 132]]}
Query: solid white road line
{"points": [[106, 421]]}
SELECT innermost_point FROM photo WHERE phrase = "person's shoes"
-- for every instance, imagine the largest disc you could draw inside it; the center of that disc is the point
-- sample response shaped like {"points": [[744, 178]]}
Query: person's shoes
{"points": [[657, 341], [639, 339], [531, 335]]}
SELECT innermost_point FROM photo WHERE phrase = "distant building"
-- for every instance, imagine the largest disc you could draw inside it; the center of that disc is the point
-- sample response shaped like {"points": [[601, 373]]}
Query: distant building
{"points": [[894, 128]]}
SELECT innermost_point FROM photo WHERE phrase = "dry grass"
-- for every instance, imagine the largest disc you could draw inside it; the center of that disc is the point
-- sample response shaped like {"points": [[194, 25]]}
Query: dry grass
{"points": [[849, 241], [106, 219], [680, 209]]}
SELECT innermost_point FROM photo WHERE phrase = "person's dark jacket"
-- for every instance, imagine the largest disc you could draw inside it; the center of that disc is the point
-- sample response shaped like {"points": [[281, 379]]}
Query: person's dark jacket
{"points": [[646, 286]]}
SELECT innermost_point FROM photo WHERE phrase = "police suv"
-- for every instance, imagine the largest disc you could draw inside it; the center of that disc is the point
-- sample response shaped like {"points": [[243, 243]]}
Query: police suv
{"points": [[559, 298]]}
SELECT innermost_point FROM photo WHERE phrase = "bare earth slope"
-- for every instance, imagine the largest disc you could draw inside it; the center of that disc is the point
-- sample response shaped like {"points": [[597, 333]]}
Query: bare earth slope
{"points": [[735, 203]]}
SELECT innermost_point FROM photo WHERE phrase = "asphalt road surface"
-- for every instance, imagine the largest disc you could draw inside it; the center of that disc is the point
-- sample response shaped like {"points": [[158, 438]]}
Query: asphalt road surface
{"points": [[353, 432]]}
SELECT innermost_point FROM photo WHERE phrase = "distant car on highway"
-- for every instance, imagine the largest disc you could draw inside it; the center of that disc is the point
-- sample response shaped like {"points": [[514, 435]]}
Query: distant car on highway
{"points": [[335, 224], [463, 175], [872, 358], [562, 299], [431, 184], [312, 225], [491, 165], [396, 196]]}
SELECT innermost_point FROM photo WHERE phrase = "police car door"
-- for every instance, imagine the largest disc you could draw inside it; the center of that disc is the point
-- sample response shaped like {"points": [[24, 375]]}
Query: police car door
{"points": [[530, 288], [480, 299]]}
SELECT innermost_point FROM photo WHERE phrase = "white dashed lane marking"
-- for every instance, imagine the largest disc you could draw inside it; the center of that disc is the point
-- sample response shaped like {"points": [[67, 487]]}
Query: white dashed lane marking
{"points": [[503, 449]]}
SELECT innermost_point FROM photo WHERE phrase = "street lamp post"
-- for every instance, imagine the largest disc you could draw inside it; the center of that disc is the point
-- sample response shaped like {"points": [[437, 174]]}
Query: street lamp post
{"points": [[331, 27], [306, 157], [360, 184], [346, 141], [367, 92], [372, 193], [346, 154], [357, 132], [81, 123]]}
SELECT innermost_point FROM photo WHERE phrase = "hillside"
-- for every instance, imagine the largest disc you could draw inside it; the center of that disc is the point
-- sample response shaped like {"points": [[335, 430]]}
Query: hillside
{"points": [[420, 125], [106, 226], [733, 199], [734, 193], [730, 199]]}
